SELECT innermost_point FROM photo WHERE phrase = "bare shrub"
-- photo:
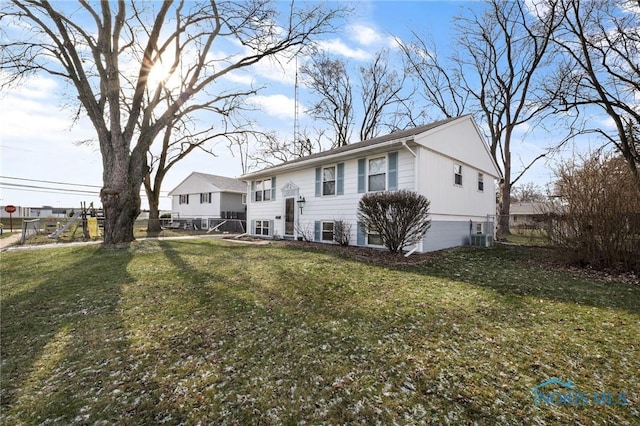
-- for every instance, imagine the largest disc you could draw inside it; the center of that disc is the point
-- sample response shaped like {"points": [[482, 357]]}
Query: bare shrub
{"points": [[305, 231], [342, 232], [597, 212], [399, 217]]}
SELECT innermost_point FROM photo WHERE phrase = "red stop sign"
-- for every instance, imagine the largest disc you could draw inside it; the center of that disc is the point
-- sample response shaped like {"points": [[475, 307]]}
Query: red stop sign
{"points": [[10, 209]]}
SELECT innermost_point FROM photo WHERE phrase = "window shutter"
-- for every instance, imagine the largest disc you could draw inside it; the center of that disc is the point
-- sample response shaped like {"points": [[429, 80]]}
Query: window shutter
{"points": [[361, 175], [252, 196], [318, 181], [253, 227], [271, 230], [362, 238], [340, 179], [393, 171], [318, 231], [273, 188]]}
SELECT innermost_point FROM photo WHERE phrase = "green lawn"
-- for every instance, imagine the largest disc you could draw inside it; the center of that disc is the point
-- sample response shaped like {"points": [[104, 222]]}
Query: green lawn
{"points": [[211, 332]]}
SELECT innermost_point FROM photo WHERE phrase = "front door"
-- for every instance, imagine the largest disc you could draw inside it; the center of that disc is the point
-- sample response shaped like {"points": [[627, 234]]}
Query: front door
{"points": [[289, 216]]}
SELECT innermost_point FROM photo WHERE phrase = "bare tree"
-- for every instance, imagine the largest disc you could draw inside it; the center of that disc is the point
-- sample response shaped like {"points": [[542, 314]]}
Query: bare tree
{"points": [[329, 80], [601, 44], [496, 73], [381, 87], [109, 53], [527, 193]]}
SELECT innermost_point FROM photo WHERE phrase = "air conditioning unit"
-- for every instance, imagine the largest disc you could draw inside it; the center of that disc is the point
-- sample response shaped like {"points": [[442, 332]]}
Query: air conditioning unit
{"points": [[481, 240]]}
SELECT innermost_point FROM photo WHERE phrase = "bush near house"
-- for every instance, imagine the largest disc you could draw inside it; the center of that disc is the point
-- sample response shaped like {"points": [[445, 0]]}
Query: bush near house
{"points": [[399, 217], [597, 214]]}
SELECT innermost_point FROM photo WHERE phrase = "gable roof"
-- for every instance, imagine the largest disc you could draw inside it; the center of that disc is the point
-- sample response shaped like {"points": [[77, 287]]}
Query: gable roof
{"points": [[530, 208], [223, 183], [392, 139]]}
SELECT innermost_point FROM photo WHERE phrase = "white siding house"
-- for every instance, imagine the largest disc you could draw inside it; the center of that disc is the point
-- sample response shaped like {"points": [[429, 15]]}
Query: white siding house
{"points": [[447, 161], [203, 197]]}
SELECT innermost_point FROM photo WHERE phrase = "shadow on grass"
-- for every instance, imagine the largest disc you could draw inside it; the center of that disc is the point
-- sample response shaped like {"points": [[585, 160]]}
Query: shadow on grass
{"points": [[518, 272], [58, 336]]}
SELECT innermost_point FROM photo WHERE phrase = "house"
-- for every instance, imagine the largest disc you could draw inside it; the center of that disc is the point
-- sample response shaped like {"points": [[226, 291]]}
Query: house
{"points": [[447, 161], [201, 200], [528, 215]]}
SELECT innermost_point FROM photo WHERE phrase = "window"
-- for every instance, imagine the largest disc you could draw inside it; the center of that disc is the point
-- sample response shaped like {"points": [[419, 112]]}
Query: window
{"points": [[244, 198], [377, 174], [184, 199], [263, 190], [480, 182], [457, 174], [262, 227], [205, 198], [374, 239], [327, 231], [329, 181]]}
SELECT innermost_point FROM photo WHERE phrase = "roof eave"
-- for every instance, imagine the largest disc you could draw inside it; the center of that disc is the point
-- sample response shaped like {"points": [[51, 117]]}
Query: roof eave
{"points": [[302, 164]]}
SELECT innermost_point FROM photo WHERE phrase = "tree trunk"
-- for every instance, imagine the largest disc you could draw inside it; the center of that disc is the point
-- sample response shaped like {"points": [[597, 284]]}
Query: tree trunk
{"points": [[121, 209], [122, 175], [504, 208], [154, 224]]}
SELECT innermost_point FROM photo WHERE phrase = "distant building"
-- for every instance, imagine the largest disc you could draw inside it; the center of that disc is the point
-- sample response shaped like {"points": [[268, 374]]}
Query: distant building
{"points": [[528, 215], [39, 212], [203, 199]]}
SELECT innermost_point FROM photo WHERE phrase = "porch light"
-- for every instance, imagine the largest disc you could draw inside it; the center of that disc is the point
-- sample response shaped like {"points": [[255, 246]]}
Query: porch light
{"points": [[301, 202]]}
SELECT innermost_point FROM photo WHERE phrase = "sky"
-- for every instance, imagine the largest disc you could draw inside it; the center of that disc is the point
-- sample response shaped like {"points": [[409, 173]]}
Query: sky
{"points": [[42, 162]]}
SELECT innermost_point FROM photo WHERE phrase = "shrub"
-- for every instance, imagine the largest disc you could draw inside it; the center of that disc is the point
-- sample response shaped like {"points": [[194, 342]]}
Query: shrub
{"points": [[597, 213], [399, 217], [342, 232]]}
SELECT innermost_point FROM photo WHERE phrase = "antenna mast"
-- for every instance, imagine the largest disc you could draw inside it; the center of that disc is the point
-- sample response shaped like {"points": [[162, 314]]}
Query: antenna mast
{"points": [[296, 124]]}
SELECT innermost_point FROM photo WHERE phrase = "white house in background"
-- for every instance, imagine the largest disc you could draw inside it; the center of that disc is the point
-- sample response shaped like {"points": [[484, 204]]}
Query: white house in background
{"points": [[201, 197], [447, 161]]}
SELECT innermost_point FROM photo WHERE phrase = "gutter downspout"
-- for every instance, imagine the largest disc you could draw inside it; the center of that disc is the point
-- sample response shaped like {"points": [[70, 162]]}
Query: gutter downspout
{"points": [[417, 176]]}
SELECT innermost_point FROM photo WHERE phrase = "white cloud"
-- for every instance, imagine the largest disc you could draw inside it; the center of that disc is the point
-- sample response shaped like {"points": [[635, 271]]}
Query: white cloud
{"points": [[279, 106], [338, 47], [365, 35]]}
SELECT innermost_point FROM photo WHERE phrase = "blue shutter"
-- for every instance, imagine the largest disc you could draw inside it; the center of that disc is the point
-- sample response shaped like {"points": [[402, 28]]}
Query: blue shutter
{"points": [[362, 237], [318, 231], [340, 179], [362, 163], [273, 188], [393, 171], [318, 181], [252, 195], [271, 233]]}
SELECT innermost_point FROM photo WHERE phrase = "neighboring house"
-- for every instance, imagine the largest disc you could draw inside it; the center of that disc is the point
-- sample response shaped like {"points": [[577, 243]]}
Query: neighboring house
{"points": [[528, 215], [202, 198], [37, 212], [447, 161]]}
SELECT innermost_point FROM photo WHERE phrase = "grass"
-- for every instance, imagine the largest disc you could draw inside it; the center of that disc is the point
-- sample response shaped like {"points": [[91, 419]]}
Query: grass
{"points": [[202, 331]]}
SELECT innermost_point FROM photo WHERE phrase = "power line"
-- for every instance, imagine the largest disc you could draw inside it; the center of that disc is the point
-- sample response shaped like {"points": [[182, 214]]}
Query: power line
{"points": [[48, 189], [50, 181], [57, 183]]}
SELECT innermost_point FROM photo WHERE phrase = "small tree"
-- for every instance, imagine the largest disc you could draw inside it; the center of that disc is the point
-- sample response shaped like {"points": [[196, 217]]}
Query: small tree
{"points": [[399, 217]]}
